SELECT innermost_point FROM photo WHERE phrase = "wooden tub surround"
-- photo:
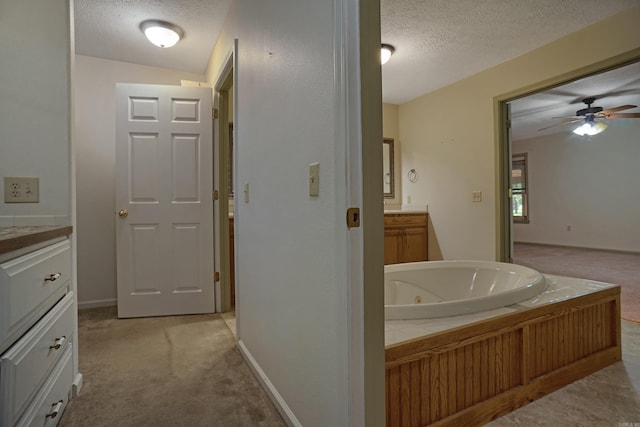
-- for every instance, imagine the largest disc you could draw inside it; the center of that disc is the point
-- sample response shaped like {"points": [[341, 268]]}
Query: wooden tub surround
{"points": [[470, 375]]}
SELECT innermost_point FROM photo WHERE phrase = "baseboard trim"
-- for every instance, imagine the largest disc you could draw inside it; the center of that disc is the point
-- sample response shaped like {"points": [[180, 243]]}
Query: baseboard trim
{"points": [[97, 303], [78, 381], [272, 392], [553, 245]]}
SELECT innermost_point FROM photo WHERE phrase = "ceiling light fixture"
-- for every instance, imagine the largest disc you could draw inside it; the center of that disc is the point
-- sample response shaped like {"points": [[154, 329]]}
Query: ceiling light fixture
{"points": [[386, 52], [590, 128], [161, 33]]}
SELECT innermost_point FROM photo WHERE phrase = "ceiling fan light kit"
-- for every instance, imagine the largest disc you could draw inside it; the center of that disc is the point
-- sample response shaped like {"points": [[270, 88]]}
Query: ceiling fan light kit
{"points": [[590, 129], [589, 116], [161, 33]]}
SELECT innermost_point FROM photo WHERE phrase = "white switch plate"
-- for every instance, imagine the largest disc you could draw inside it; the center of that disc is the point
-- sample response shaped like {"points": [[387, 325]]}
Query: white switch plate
{"points": [[21, 190], [245, 191], [314, 179], [476, 196]]}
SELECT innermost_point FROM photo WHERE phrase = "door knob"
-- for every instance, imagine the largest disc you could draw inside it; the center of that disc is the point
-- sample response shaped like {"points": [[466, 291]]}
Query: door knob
{"points": [[123, 213]]}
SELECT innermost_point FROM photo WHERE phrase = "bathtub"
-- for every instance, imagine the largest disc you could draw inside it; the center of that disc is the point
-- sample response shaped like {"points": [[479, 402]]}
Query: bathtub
{"points": [[427, 289]]}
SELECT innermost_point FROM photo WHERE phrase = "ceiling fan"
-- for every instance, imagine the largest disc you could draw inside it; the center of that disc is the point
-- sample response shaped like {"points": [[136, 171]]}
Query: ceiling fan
{"points": [[592, 116]]}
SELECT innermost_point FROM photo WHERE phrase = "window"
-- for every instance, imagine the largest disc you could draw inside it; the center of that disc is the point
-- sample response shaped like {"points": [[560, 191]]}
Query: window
{"points": [[519, 189]]}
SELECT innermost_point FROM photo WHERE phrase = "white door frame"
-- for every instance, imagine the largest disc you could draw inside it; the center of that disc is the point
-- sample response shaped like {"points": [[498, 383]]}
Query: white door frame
{"points": [[226, 78]]}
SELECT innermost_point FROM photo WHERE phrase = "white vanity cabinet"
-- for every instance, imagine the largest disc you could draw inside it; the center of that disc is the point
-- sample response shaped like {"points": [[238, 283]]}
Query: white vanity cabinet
{"points": [[37, 334]]}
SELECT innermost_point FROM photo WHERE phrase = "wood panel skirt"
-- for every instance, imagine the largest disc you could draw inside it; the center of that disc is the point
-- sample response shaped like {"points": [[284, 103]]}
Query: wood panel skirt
{"points": [[473, 374]]}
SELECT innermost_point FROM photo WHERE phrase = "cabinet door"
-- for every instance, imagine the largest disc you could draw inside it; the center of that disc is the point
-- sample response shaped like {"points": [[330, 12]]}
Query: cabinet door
{"points": [[392, 246], [415, 245]]}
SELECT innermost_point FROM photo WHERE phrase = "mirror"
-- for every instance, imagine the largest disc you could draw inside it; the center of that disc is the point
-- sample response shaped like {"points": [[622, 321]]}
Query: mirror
{"points": [[387, 169]]}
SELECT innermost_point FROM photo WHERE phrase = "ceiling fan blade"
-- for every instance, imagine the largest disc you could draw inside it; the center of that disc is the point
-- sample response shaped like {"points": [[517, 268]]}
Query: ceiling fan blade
{"points": [[623, 116], [620, 108], [561, 123]]}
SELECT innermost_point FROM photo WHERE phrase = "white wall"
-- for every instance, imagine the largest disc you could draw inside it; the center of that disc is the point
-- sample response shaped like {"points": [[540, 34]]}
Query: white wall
{"points": [[95, 81], [590, 185], [34, 108], [450, 135], [295, 305]]}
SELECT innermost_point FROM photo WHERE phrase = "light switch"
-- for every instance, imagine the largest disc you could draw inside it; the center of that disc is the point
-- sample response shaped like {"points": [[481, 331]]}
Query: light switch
{"points": [[245, 192], [314, 179]]}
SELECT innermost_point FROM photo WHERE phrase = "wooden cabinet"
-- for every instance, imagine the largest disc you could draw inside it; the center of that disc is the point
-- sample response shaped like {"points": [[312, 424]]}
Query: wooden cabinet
{"points": [[405, 238]]}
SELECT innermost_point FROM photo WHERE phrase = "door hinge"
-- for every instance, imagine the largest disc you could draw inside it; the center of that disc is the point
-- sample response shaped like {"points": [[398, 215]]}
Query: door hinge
{"points": [[215, 195], [214, 113], [509, 193], [216, 276], [508, 124], [353, 217]]}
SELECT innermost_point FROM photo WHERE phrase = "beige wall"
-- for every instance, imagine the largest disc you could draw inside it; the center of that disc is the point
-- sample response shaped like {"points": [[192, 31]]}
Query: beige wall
{"points": [[390, 130], [450, 136]]}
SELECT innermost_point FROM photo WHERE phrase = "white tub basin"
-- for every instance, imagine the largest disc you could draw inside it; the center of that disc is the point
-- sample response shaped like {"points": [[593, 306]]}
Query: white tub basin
{"points": [[429, 289]]}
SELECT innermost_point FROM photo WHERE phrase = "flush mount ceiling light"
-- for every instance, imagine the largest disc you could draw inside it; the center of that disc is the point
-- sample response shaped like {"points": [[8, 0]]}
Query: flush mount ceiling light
{"points": [[386, 52], [161, 33], [590, 128]]}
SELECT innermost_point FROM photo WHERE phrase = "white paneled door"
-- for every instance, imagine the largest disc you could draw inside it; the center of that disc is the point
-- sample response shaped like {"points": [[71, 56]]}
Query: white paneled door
{"points": [[164, 206]]}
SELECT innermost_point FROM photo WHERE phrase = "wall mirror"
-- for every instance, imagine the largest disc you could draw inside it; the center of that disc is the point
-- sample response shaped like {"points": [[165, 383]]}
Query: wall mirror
{"points": [[387, 168]]}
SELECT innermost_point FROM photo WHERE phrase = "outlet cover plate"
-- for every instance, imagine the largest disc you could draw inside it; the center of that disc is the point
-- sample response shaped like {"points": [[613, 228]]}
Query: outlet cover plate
{"points": [[21, 189]]}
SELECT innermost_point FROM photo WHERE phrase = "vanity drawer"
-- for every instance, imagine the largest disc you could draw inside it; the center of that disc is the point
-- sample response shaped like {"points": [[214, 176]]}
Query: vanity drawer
{"points": [[47, 407], [405, 220], [25, 365], [29, 286]]}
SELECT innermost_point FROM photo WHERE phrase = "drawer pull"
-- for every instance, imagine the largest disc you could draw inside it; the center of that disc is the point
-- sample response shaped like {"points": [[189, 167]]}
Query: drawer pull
{"points": [[52, 277], [58, 343], [55, 409]]}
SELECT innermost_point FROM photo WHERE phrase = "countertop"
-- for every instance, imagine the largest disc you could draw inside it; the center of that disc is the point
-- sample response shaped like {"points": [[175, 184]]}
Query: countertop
{"points": [[14, 238], [404, 211], [559, 288]]}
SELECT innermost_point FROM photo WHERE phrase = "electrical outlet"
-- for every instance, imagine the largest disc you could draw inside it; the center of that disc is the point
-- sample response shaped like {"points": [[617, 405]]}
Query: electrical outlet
{"points": [[476, 196], [21, 190]]}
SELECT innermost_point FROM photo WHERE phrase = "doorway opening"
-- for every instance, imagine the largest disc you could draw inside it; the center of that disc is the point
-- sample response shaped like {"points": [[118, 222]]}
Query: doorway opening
{"points": [[579, 216], [223, 177], [560, 87]]}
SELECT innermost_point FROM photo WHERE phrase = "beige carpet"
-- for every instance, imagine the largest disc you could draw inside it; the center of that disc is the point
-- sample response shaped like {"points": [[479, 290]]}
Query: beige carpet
{"points": [[620, 268], [164, 371]]}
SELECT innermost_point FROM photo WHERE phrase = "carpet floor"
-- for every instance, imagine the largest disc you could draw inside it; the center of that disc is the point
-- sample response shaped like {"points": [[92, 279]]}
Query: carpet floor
{"points": [[619, 268], [164, 371]]}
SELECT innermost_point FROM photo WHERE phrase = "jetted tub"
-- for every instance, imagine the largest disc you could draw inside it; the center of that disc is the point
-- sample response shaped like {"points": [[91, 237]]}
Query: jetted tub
{"points": [[427, 289]]}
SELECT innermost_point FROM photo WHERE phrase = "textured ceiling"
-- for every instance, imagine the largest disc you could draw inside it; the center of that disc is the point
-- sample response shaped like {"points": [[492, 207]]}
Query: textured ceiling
{"points": [[437, 42], [110, 29], [611, 89]]}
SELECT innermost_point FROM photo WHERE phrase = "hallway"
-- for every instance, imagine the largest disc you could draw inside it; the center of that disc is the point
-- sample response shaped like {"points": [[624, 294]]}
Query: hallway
{"points": [[164, 371]]}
